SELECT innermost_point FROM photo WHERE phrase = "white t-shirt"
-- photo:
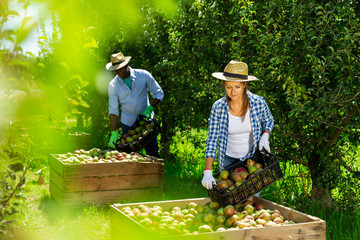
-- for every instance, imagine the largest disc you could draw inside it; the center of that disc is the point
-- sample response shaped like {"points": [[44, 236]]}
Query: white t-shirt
{"points": [[239, 136]]}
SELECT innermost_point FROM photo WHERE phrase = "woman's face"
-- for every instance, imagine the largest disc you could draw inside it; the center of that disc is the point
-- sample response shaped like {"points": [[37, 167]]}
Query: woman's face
{"points": [[234, 90]]}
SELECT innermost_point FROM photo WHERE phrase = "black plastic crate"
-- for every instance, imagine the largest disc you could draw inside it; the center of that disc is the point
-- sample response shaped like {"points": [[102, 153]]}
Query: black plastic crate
{"points": [[271, 173], [141, 143]]}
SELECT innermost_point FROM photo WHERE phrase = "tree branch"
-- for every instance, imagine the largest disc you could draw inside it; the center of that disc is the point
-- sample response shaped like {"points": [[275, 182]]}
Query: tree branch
{"points": [[285, 157], [343, 163], [285, 133], [338, 131]]}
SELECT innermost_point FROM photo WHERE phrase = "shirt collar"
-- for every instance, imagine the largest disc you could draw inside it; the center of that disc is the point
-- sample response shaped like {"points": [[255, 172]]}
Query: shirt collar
{"points": [[132, 74]]}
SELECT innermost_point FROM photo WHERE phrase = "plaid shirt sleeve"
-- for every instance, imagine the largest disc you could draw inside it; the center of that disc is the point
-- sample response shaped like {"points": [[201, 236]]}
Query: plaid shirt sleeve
{"points": [[261, 120], [213, 132], [267, 118]]}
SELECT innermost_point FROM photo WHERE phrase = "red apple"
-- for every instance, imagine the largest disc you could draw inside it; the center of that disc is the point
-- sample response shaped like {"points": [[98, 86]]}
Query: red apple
{"points": [[229, 210], [240, 169], [244, 175], [237, 177]]}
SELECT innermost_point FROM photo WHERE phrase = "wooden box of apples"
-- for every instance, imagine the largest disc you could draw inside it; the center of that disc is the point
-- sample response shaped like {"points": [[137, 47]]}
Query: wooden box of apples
{"points": [[201, 218], [102, 176]]}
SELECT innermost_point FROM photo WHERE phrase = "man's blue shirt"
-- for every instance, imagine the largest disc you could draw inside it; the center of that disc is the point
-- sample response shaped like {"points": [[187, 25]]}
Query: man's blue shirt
{"points": [[135, 100]]}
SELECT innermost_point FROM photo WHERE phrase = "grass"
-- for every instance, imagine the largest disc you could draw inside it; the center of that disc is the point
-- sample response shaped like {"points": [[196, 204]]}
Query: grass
{"points": [[45, 219]]}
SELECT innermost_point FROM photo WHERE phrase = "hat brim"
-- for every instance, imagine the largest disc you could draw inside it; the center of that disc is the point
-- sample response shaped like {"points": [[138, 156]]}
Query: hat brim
{"points": [[220, 75], [111, 67]]}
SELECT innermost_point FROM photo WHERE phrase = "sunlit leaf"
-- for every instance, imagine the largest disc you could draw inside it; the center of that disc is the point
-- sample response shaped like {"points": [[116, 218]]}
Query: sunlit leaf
{"points": [[43, 37], [17, 62], [13, 13], [30, 54], [22, 33], [91, 44], [84, 104], [6, 33]]}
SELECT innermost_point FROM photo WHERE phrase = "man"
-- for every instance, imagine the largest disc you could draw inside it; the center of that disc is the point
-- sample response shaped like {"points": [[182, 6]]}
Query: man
{"points": [[130, 88]]}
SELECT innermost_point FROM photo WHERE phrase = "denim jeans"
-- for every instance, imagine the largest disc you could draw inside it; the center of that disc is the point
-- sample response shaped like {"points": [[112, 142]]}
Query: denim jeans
{"points": [[151, 148], [230, 161]]}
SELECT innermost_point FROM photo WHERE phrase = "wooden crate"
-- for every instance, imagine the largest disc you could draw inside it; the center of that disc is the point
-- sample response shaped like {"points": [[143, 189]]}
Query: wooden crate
{"points": [[306, 227], [103, 183]]}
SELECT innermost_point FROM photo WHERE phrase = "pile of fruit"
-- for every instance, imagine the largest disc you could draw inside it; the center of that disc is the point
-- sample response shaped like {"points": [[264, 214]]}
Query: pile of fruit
{"points": [[97, 155], [231, 179], [134, 135], [198, 218]]}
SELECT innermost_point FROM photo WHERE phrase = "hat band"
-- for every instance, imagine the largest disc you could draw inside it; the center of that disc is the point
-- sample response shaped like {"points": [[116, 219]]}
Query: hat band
{"points": [[116, 63], [234, 75]]}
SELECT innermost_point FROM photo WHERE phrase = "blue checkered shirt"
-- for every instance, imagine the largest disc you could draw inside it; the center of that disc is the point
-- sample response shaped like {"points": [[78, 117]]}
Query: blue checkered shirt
{"points": [[260, 117]]}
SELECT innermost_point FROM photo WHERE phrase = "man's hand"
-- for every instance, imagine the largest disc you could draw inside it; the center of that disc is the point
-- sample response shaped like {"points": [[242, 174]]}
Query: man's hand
{"points": [[148, 111], [113, 138], [264, 142], [208, 179]]}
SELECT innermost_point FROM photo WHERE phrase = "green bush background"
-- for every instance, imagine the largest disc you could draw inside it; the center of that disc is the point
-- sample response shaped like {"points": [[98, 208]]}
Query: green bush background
{"points": [[305, 53]]}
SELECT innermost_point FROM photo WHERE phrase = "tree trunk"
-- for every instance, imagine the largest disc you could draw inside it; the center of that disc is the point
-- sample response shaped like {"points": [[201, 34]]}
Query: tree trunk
{"points": [[320, 193], [79, 122], [322, 196], [165, 139]]}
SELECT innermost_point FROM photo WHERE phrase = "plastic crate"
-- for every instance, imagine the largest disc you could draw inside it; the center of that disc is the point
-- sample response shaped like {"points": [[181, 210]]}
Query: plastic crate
{"points": [[140, 144], [271, 173]]}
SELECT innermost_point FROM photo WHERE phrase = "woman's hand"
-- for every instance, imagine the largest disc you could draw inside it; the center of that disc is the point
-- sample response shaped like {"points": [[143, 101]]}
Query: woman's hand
{"points": [[208, 179], [264, 142]]}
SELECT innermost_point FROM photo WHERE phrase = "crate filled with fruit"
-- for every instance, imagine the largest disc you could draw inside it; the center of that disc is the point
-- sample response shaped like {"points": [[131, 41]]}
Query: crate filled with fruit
{"points": [[104, 176], [203, 219], [140, 134], [244, 179]]}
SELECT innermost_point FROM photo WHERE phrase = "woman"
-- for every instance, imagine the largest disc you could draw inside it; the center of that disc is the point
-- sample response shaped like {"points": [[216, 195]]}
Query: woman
{"points": [[235, 122]]}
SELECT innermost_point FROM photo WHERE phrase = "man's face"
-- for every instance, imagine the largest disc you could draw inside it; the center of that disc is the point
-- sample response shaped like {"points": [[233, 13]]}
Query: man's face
{"points": [[123, 72]]}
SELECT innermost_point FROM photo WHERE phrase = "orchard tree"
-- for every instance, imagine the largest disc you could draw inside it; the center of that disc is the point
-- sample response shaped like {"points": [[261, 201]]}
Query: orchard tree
{"points": [[305, 54], [307, 57]]}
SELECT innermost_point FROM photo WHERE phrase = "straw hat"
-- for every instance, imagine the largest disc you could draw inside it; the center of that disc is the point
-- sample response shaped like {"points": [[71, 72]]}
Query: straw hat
{"points": [[117, 61], [235, 72]]}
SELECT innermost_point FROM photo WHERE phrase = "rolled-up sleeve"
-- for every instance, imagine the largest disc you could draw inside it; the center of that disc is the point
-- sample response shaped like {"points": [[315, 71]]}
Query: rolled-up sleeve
{"points": [[213, 133], [154, 88], [113, 99]]}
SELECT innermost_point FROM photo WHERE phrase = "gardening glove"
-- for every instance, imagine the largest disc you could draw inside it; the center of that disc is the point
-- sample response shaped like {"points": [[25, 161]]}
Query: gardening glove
{"points": [[113, 138], [148, 111], [264, 142], [208, 179]]}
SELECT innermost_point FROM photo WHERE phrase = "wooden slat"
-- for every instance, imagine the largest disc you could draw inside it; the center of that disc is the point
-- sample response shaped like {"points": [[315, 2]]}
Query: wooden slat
{"points": [[57, 165], [123, 227], [56, 194], [313, 228], [56, 179], [113, 196], [112, 183], [106, 169]]}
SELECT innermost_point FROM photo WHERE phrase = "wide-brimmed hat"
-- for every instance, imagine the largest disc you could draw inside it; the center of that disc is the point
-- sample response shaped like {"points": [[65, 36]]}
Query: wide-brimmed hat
{"points": [[117, 61], [235, 72]]}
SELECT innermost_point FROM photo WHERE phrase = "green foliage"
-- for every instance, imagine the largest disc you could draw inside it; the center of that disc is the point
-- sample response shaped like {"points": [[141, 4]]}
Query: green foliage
{"points": [[187, 154], [14, 156], [305, 54]]}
